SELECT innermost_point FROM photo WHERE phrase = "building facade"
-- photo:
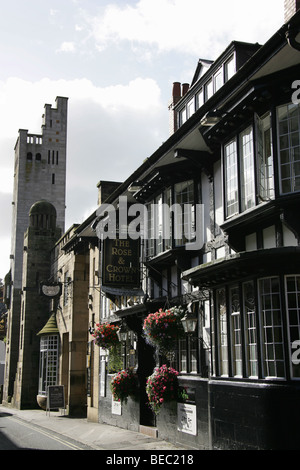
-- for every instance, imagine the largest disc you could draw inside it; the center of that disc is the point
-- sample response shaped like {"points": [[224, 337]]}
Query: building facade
{"points": [[39, 173], [207, 228], [233, 155]]}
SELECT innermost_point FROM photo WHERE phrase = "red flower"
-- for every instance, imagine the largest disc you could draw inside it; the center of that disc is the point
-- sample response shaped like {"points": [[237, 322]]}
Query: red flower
{"points": [[106, 335]]}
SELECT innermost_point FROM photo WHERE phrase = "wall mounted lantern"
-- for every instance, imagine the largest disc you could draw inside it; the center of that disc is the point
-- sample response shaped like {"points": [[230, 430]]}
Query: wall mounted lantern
{"points": [[122, 332], [189, 321]]}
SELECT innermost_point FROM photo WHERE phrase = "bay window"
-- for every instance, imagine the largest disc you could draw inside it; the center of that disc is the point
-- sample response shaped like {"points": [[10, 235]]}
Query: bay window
{"points": [[252, 322], [168, 221], [293, 316], [272, 334], [250, 329], [184, 220], [48, 370], [288, 119], [236, 331], [264, 157], [248, 168], [231, 179], [222, 330]]}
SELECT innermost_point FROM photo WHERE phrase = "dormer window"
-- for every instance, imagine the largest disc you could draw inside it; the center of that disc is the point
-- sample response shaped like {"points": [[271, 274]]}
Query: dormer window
{"points": [[200, 99], [182, 116], [229, 68], [191, 107], [218, 79], [209, 89]]}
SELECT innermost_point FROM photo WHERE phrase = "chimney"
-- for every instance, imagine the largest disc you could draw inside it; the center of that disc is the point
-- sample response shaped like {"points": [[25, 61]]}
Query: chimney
{"points": [[185, 88], [290, 8], [105, 189], [176, 96]]}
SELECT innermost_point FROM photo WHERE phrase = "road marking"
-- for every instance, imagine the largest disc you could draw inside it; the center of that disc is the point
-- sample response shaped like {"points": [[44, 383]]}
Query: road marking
{"points": [[38, 429]]}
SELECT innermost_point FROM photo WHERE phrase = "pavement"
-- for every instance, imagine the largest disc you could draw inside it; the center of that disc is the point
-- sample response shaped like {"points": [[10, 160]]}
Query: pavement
{"points": [[96, 436]]}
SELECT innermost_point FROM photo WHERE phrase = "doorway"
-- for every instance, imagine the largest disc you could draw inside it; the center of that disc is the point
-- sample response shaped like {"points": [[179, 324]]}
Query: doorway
{"points": [[146, 365]]}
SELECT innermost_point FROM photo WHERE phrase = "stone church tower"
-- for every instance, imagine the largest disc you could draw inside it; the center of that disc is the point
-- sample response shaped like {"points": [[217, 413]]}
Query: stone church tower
{"points": [[39, 174]]}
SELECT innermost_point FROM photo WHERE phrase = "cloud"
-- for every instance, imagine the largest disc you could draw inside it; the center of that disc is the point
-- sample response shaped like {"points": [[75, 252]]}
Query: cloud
{"points": [[190, 26], [111, 130], [67, 47]]}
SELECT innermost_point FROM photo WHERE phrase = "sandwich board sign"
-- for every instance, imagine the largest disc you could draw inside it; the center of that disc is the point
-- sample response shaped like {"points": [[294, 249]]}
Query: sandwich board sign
{"points": [[55, 397]]}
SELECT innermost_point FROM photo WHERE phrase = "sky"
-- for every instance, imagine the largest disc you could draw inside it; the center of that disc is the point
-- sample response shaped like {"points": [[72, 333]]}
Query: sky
{"points": [[116, 61]]}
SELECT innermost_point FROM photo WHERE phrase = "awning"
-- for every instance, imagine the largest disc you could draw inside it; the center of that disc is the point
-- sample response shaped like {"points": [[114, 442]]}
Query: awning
{"points": [[50, 328]]}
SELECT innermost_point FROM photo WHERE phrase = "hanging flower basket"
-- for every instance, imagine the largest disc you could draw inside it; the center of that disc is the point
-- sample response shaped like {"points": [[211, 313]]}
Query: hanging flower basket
{"points": [[163, 328], [124, 385], [105, 335], [162, 386]]}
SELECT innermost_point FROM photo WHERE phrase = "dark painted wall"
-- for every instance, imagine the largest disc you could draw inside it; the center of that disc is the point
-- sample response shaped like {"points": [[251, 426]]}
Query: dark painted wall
{"points": [[255, 416]]}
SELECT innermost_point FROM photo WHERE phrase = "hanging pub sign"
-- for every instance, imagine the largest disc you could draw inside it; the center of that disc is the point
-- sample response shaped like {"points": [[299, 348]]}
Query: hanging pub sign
{"points": [[121, 263], [50, 290]]}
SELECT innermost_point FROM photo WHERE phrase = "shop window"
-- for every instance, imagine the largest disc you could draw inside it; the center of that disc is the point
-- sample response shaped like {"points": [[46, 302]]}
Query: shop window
{"points": [[48, 370], [266, 358], [288, 118]]}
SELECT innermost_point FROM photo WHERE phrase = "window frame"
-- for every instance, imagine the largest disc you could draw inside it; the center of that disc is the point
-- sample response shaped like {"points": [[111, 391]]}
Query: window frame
{"points": [[267, 335], [291, 137], [167, 197], [49, 356]]}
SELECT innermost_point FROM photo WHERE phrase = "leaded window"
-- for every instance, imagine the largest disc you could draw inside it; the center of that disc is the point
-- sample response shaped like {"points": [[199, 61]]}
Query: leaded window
{"points": [[293, 315], [48, 371], [272, 334], [288, 118], [250, 328]]}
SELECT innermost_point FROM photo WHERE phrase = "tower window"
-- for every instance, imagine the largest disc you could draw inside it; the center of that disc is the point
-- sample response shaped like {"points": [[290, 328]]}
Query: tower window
{"points": [[38, 157], [53, 178], [29, 156]]}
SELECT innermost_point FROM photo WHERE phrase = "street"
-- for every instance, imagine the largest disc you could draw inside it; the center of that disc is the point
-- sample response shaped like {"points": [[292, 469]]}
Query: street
{"points": [[16, 434]]}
